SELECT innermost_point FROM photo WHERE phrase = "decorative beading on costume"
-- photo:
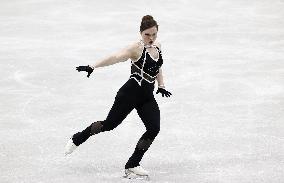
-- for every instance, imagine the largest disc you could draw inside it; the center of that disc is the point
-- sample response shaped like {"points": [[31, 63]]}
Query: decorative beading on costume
{"points": [[146, 68]]}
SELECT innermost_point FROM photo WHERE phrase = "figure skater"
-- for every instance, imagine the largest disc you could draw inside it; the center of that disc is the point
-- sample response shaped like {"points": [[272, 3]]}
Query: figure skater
{"points": [[136, 93]]}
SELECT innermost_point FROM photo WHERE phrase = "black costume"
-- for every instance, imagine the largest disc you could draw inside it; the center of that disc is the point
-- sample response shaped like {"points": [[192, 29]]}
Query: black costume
{"points": [[136, 93]]}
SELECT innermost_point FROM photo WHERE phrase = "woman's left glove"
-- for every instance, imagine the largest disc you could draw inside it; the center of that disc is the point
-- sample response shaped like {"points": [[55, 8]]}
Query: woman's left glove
{"points": [[88, 69], [164, 92]]}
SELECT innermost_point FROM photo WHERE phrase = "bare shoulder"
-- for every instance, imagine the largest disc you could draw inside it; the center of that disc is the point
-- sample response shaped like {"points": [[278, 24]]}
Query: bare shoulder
{"points": [[135, 50], [134, 46]]}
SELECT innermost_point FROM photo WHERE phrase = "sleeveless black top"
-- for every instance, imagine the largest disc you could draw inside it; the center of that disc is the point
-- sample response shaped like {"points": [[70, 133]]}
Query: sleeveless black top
{"points": [[146, 68]]}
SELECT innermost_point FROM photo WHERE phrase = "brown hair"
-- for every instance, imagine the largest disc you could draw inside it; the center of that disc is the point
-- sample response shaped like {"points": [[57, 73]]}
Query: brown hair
{"points": [[147, 22]]}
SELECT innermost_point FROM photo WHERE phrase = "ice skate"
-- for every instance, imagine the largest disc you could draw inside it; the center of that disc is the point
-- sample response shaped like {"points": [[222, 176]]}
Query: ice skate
{"points": [[136, 173], [70, 147]]}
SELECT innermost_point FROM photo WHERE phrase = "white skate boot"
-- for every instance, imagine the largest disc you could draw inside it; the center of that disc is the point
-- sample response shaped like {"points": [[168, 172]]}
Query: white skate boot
{"points": [[70, 147], [136, 173]]}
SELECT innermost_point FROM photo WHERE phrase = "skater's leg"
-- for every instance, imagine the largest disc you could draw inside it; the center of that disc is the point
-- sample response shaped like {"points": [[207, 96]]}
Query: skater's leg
{"points": [[150, 115], [122, 106]]}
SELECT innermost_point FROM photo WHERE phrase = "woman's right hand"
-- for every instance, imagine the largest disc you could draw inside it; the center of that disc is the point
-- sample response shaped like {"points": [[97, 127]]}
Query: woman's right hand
{"points": [[87, 69]]}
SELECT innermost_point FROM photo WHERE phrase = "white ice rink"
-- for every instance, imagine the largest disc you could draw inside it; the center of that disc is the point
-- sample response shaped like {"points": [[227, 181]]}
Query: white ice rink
{"points": [[223, 62]]}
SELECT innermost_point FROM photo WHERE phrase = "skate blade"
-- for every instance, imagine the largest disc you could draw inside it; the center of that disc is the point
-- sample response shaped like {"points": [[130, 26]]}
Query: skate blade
{"points": [[137, 177]]}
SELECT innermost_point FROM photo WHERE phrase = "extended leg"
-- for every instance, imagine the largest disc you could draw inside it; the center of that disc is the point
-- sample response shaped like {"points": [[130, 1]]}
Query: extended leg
{"points": [[121, 108]]}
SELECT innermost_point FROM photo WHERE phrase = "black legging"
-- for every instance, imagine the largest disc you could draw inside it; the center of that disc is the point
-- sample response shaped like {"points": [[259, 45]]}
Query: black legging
{"points": [[129, 96]]}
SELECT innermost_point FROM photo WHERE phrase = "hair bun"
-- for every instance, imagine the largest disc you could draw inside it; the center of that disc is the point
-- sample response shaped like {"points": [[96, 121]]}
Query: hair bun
{"points": [[147, 18], [147, 22]]}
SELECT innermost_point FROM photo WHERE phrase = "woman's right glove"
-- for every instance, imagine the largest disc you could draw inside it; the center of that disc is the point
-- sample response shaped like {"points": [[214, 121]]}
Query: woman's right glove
{"points": [[164, 92], [88, 69]]}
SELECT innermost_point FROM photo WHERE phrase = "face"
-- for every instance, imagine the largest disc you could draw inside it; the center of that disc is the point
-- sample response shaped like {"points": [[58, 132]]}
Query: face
{"points": [[149, 35]]}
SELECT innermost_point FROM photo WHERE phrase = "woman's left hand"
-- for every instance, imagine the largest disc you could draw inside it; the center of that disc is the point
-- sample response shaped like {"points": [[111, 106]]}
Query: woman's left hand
{"points": [[164, 92]]}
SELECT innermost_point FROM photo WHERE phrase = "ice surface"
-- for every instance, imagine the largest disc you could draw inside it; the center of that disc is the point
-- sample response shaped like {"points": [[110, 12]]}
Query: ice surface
{"points": [[223, 62]]}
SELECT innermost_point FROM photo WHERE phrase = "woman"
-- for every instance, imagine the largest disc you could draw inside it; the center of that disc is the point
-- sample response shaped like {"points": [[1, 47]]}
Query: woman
{"points": [[136, 93]]}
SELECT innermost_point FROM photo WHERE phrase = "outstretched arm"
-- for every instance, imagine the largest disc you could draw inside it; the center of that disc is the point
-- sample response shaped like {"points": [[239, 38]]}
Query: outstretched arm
{"points": [[120, 56]]}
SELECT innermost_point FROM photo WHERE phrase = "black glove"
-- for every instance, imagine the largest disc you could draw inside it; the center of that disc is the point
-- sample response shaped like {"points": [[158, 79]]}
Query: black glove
{"points": [[164, 92], [88, 69]]}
